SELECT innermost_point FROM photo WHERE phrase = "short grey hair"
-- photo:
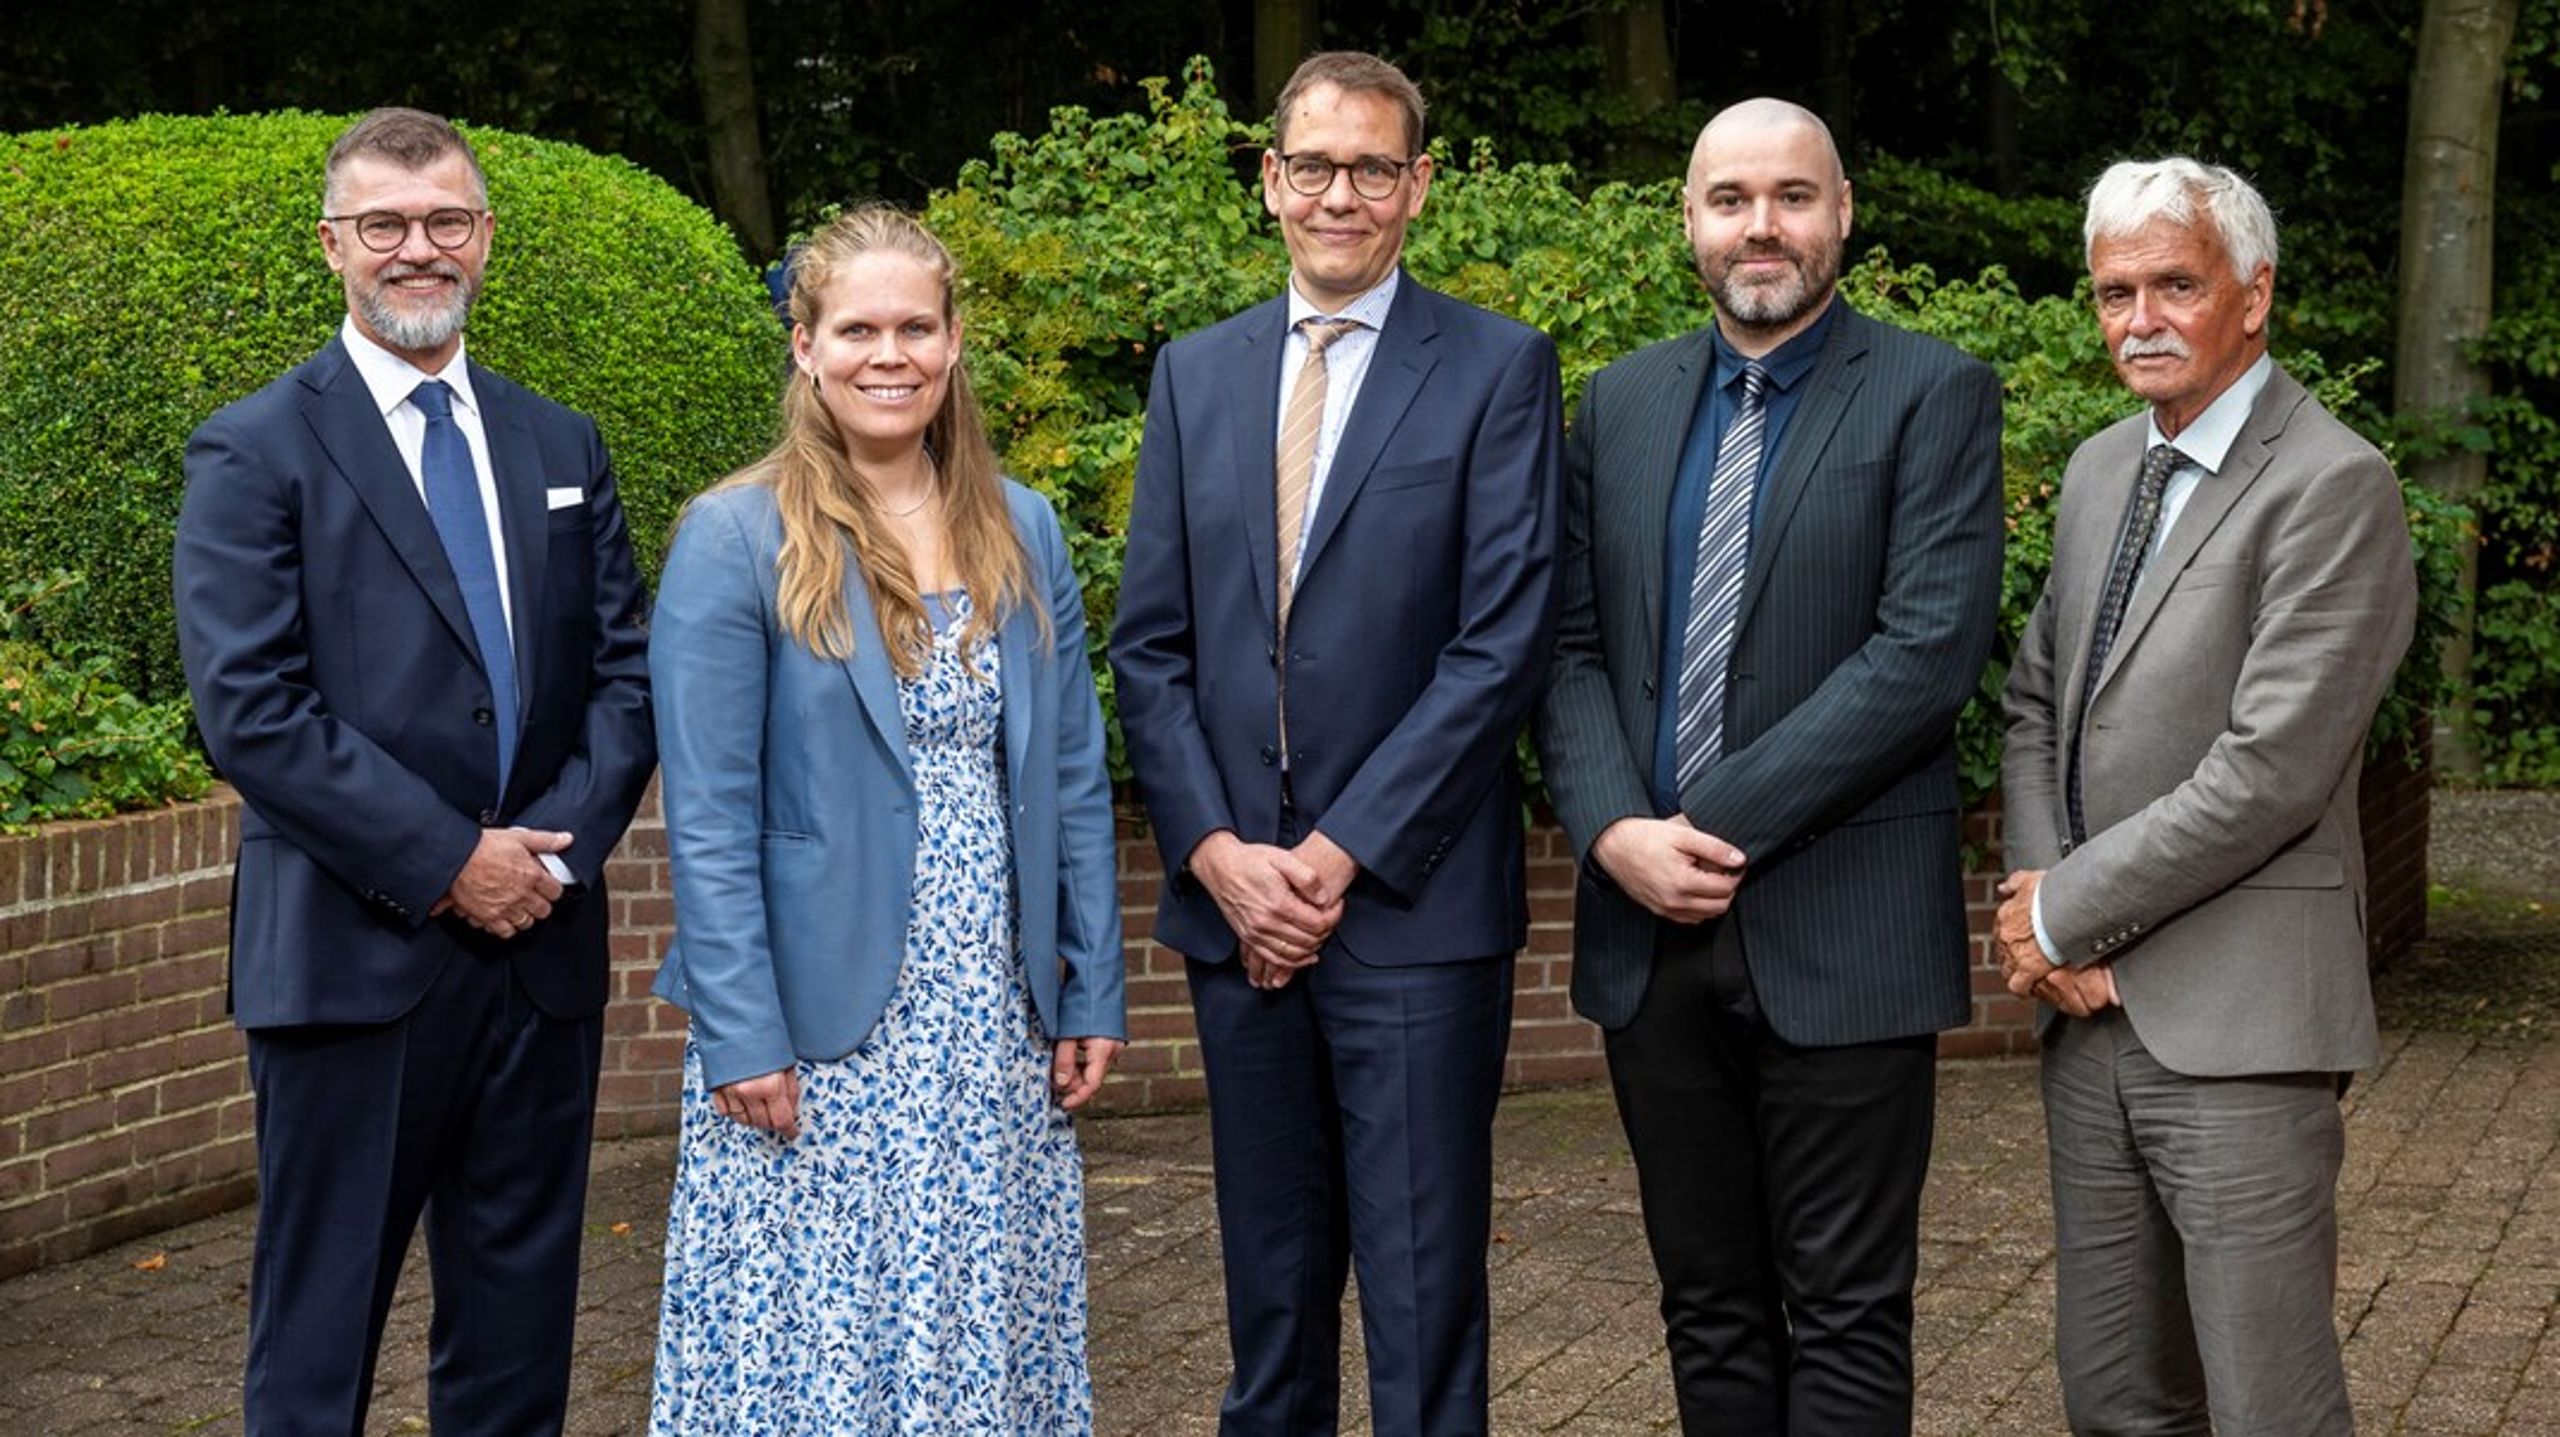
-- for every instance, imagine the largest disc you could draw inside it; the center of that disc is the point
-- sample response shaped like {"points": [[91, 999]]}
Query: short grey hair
{"points": [[411, 139], [2134, 193]]}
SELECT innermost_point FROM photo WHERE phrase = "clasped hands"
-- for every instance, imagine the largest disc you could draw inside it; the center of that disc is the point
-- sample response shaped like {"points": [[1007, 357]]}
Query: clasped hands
{"points": [[1282, 903], [2079, 992], [1678, 872], [504, 889]]}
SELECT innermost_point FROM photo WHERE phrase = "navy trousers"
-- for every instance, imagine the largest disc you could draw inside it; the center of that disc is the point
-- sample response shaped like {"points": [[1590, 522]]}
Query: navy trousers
{"points": [[476, 1109], [1352, 1114]]}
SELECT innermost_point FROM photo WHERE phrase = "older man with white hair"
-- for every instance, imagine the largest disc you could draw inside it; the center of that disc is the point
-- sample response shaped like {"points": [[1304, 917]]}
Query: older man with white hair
{"points": [[2231, 590]]}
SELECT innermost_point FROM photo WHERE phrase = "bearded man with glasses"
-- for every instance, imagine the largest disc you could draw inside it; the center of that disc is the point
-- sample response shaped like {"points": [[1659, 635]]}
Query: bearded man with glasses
{"points": [[412, 627]]}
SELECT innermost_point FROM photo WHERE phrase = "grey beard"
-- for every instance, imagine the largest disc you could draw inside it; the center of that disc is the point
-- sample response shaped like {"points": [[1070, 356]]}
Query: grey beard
{"points": [[408, 329]]}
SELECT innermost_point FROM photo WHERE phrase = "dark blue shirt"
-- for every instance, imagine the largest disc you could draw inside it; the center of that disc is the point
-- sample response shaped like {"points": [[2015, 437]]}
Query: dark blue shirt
{"points": [[1788, 364]]}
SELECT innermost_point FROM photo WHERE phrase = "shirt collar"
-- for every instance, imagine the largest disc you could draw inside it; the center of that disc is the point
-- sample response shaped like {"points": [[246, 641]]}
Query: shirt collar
{"points": [[2208, 440], [1370, 308], [1788, 362], [389, 378]]}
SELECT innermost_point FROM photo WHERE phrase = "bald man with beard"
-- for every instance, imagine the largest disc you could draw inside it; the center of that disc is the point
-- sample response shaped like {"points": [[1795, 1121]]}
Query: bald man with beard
{"points": [[1779, 582]]}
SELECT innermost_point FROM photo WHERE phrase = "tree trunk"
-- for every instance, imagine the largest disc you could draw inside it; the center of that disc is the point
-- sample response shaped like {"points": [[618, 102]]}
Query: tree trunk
{"points": [[1839, 92], [1635, 53], [725, 71], [1284, 33], [2447, 202]]}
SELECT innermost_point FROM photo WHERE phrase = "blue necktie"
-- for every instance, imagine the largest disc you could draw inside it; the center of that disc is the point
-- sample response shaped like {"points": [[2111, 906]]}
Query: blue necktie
{"points": [[453, 501], [1715, 586]]}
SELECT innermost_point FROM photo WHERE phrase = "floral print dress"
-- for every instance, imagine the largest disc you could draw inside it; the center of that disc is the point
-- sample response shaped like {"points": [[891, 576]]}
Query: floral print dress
{"points": [[913, 1263]]}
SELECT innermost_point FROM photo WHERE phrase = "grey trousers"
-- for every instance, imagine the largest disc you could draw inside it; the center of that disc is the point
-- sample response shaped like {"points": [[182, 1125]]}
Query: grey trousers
{"points": [[2197, 1233]]}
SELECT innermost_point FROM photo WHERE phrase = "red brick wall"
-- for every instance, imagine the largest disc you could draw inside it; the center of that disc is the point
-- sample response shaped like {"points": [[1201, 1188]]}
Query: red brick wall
{"points": [[123, 1092], [124, 1098]]}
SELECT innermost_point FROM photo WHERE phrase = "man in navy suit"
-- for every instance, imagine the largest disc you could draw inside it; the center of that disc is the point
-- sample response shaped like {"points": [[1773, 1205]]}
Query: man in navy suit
{"points": [[1334, 615], [1780, 576], [414, 634]]}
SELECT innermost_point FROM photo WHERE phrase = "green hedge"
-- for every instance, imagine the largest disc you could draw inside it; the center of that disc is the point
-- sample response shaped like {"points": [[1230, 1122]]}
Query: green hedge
{"points": [[153, 270], [1088, 245]]}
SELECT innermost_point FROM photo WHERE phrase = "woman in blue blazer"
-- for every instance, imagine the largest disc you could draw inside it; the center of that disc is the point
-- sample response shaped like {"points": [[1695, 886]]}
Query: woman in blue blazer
{"points": [[897, 921]]}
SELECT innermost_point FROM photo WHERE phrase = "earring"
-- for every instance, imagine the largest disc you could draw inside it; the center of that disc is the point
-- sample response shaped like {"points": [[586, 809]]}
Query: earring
{"points": [[814, 387]]}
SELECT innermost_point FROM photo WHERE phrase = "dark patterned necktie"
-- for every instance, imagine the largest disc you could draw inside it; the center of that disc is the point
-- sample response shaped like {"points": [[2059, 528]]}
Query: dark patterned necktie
{"points": [[1715, 586], [2133, 546]]}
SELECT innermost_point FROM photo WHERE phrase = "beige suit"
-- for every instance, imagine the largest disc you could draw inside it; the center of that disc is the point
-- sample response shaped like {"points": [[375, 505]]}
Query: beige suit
{"points": [[2195, 1138]]}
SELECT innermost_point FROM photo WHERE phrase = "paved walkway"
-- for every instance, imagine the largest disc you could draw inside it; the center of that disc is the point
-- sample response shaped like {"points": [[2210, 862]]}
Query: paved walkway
{"points": [[2449, 1280]]}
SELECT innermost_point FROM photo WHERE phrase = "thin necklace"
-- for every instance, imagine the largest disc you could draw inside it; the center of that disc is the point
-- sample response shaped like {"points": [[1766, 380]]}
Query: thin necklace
{"points": [[932, 488]]}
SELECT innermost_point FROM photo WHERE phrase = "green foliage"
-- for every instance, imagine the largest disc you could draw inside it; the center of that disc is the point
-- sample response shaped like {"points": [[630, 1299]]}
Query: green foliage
{"points": [[73, 742], [1087, 246], [2515, 694], [156, 269]]}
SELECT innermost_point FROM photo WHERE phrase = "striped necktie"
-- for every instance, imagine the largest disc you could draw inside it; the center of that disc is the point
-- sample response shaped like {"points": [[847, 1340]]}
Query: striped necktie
{"points": [[1297, 452], [1715, 586]]}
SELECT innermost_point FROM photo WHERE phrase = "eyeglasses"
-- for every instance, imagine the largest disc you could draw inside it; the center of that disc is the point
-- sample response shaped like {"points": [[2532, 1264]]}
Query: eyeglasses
{"points": [[383, 231], [1373, 177]]}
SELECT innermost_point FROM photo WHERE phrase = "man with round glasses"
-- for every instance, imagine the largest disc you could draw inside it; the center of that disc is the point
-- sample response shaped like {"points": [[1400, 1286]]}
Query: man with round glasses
{"points": [[412, 627], [1333, 618]]}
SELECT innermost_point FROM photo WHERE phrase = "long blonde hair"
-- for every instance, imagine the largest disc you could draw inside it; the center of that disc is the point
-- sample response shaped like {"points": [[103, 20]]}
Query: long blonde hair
{"points": [[828, 515]]}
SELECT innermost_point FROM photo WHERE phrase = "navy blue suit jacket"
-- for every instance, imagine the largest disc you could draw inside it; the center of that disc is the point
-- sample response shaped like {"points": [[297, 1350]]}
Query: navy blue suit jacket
{"points": [[1418, 636], [1869, 607], [338, 688]]}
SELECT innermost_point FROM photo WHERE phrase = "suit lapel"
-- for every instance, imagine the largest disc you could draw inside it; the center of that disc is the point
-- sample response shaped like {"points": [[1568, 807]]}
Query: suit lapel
{"points": [[875, 682], [2207, 505], [1828, 391], [1403, 360], [342, 415], [1658, 436], [1256, 407], [517, 464], [2114, 464], [1017, 654]]}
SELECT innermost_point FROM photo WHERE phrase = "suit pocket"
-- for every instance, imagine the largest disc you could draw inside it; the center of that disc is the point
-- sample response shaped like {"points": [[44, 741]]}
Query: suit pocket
{"points": [[1429, 473], [2198, 577]]}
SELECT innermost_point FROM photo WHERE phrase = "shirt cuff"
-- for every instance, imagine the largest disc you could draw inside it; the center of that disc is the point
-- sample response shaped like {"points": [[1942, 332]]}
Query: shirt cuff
{"points": [[2044, 940]]}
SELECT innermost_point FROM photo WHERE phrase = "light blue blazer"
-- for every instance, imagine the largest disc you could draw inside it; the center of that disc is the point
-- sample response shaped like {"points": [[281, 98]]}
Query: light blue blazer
{"points": [[791, 806]]}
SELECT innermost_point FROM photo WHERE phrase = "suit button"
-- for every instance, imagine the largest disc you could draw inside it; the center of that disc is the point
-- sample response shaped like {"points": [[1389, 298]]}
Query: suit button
{"points": [[1271, 654], [483, 717], [1270, 755], [488, 816]]}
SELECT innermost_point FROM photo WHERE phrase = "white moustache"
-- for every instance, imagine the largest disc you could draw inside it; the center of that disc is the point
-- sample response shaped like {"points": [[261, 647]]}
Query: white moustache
{"points": [[2165, 342]]}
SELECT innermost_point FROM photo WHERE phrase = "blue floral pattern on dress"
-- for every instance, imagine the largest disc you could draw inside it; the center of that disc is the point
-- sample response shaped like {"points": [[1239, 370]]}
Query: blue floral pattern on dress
{"points": [[914, 1262]]}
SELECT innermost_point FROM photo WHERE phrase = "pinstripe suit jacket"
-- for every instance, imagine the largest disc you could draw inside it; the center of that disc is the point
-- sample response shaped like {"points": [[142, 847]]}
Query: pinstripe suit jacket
{"points": [[1868, 609], [2224, 870]]}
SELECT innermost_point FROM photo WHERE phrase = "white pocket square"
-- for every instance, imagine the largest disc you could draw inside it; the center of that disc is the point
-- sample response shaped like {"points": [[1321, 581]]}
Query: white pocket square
{"points": [[563, 498]]}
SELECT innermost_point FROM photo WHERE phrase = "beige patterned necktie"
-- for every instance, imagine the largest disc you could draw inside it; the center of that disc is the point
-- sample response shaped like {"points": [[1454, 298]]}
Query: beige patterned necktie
{"points": [[1297, 454]]}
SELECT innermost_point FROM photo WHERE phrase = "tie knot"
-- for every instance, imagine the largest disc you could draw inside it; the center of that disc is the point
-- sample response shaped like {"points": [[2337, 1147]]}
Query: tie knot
{"points": [[433, 399], [1755, 380], [2157, 464], [1321, 333]]}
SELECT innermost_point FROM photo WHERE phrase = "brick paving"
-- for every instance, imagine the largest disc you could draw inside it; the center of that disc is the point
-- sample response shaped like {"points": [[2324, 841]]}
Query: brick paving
{"points": [[2448, 1285]]}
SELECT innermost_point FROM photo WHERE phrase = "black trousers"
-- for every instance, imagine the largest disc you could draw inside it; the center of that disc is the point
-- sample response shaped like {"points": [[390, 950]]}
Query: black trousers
{"points": [[1781, 1188]]}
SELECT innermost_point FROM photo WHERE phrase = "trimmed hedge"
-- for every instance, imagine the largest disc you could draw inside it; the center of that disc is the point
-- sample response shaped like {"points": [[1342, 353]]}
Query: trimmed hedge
{"points": [[153, 270], [1086, 246]]}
